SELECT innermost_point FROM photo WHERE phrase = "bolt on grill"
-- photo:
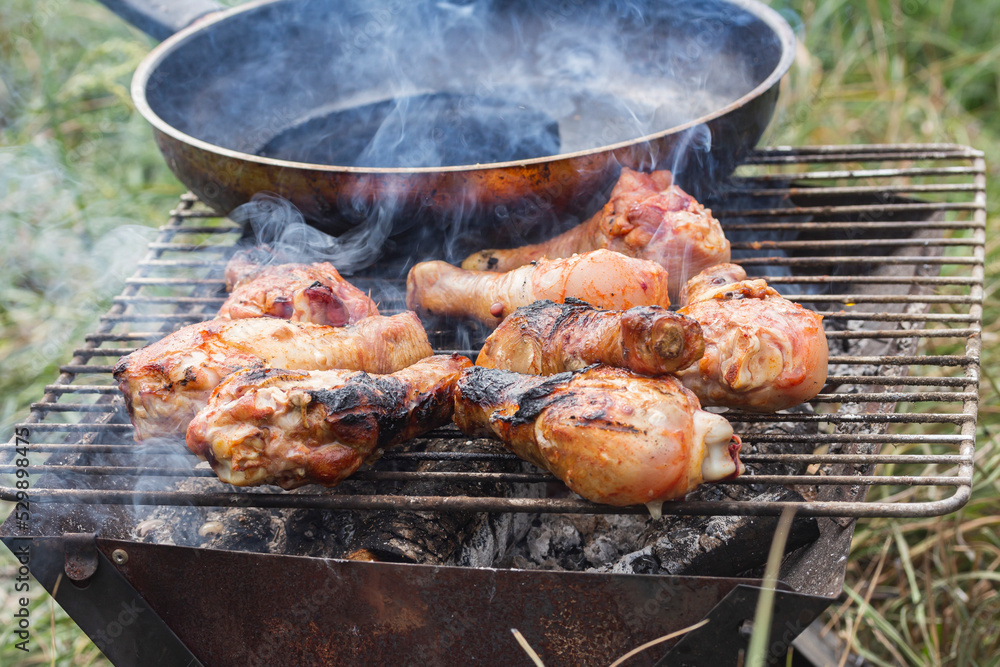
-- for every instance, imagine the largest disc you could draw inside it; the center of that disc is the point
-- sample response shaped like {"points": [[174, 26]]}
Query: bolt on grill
{"points": [[886, 242]]}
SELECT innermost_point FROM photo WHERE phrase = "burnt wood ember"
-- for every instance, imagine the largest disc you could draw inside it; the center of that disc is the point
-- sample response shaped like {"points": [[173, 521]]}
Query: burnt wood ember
{"points": [[719, 546], [459, 538]]}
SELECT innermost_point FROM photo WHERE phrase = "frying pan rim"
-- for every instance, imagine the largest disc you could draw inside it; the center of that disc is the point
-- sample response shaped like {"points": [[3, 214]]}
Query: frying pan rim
{"points": [[149, 64]]}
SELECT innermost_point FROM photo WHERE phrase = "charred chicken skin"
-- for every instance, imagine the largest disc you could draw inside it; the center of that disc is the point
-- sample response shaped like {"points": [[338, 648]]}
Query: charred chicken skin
{"points": [[313, 293], [612, 436], [167, 382], [546, 338], [646, 217], [289, 428], [762, 352], [602, 278]]}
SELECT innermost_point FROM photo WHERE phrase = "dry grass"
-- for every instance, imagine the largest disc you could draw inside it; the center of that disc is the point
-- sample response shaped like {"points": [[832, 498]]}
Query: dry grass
{"points": [[76, 162]]}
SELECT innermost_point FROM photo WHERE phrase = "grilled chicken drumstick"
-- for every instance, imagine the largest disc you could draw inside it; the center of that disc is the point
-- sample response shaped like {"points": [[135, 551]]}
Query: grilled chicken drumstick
{"points": [[646, 217], [602, 278], [612, 436], [275, 426], [313, 293], [762, 352], [546, 338], [167, 382]]}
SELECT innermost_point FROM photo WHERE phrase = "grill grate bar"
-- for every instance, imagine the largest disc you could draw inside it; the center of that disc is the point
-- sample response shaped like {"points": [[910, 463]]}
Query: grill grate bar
{"points": [[905, 333], [490, 504], [805, 298], [873, 260], [898, 317], [848, 243], [193, 229], [897, 361], [178, 449], [793, 280], [154, 317], [868, 280], [820, 227], [171, 300], [411, 476], [885, 438], [892, 360], [756, 261], [885, 190], [943, 397], [858, 174], [861, 154], [922, 459], [921, 418], [831, 335], [839, 315], [845, 210]]}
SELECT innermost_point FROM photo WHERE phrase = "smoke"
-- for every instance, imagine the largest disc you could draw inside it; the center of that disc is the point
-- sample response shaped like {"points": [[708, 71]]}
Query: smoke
{"points": [[60, 265], [276, 222]]}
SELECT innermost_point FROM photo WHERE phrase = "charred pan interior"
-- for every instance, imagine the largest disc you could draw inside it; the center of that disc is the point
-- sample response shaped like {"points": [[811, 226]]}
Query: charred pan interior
{"points": [[886, 242]]}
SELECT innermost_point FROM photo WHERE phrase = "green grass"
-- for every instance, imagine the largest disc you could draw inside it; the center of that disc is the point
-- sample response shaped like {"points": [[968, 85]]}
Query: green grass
{"points": [[77, 163]]}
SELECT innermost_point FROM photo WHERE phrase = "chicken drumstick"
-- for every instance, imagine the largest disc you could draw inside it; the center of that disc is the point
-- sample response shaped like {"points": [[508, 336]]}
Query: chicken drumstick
{"points": [[762, 352], [646, 217], [274, 426], [612, 436], [167, 382], [546, 338], [313, 293], [602, 278]]}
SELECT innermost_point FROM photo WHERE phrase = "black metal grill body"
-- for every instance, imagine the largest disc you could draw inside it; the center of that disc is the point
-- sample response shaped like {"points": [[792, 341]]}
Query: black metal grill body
{"points": [[886, 241]]}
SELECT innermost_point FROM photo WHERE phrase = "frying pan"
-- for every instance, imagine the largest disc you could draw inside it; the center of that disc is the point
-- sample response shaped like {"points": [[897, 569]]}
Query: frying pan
{"points": [[493, 117]]}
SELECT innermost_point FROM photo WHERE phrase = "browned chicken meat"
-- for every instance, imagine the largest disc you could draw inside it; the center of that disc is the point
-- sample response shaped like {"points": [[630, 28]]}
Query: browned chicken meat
{"points": [[612, 436], [602, 278], [546, 338], [275, 426], [762, 352], [167, 382], [313, 293], [646, 217]]}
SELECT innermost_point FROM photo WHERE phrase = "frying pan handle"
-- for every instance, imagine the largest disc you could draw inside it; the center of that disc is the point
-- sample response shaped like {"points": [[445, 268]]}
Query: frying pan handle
{"points": [[161, 18]]}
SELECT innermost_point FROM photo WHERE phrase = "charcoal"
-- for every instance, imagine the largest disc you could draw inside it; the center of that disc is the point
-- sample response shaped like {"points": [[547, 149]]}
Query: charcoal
{"points": [[729, 545], [472, 538]]}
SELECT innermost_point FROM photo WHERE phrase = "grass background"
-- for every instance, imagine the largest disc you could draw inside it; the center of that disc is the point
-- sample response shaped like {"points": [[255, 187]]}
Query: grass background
{"points": [[81, 184]]}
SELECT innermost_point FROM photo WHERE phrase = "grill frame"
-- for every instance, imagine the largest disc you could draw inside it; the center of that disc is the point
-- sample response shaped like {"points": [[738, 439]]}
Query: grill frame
{"points": [[101, 420]]}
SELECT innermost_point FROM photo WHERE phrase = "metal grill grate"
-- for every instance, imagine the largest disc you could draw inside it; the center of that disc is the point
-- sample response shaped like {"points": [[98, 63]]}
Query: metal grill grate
{"points": [[887, 242]]}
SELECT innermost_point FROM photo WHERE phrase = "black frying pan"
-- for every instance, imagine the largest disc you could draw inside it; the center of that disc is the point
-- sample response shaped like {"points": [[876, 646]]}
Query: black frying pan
{"points": [[441, 113]]}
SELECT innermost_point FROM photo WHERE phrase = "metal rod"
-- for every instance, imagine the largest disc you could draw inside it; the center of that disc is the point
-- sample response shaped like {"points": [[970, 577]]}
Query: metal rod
{"points": [[826, 227], [922, 459], [849, 243], [884, 190], [868, 280], [486, 504], [851, 209], [872, 260], [857, 174]]}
